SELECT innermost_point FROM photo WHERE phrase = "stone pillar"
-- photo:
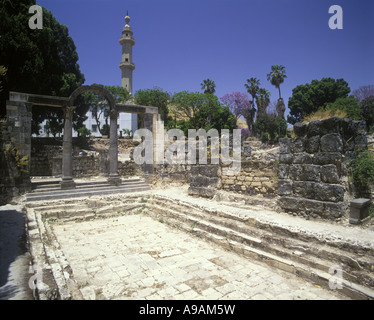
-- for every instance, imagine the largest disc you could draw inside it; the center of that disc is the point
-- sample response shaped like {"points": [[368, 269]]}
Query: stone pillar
{"points": [[67, 181], [114, 178]]}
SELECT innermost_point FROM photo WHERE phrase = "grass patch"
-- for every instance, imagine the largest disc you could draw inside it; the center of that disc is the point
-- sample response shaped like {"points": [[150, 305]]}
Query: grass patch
{"points": [[322, 114]]}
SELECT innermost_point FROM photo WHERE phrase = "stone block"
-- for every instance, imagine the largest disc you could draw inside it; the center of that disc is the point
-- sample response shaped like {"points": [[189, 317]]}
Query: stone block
{"points": [[312, 206], [351, 128], [323, 158], [331, 142], [359, 210], [284, 145], [289, 203], [330, 125], [256, 184], [313, 128], [194, 170], [304, 189], [334, 210], [283, 171], [312, 144], [201, 191], [284, 187], [328, 192], [302, 158], [360, 143], [199, 181], [329, 174], [213, 181], [297, 145], [300, 129], [209, 171], [312, 172], [296, 172], [285, 158], [359, 127]]}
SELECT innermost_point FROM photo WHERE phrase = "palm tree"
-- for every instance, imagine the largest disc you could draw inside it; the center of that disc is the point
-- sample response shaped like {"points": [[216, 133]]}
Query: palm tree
{"points": [[252, 85], [277, 76], [262, 101], [208, 86]]}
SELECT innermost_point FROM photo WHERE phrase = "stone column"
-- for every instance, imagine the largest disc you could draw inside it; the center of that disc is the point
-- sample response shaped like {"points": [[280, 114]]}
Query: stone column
{"points": [[67, 181], [114, 178]]}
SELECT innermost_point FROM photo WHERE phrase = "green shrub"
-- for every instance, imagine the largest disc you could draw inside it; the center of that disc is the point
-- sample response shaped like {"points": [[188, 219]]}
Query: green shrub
{"points": [[363, 171]]}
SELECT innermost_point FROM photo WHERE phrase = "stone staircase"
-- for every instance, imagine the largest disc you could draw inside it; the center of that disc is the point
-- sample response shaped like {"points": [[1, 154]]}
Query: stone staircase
{"points": [[309, 255], [50, 189]]}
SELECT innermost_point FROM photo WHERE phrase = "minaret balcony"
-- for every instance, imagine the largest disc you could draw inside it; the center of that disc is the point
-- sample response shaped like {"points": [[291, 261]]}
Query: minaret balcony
{"points": [[127, 39], [127, 65]]}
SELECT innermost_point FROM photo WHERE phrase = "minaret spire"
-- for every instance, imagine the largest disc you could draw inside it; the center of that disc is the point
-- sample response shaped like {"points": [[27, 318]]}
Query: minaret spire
{"points": [[127, 66]]}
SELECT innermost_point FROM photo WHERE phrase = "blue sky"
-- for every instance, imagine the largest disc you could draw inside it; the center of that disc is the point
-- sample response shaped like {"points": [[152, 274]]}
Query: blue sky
{"points": [[179, 43]]}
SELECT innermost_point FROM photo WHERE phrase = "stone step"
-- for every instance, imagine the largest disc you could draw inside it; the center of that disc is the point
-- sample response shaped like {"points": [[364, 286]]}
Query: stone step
{"points": [[85, 192], [55, 185], [312, 272], [239, 221], [245, 235], [321, 258]]}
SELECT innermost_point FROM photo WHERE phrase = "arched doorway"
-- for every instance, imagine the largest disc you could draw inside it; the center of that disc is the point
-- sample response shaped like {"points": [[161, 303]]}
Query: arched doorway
{"points": [[67, 181]]}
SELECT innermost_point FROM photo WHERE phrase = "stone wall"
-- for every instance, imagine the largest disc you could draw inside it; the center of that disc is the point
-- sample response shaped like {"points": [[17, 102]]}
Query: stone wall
{"points": [[255, 177], [46, 158], [313, 167], [204, 180], [42, 160], [14, 179], [129, 168], [173, 173]]}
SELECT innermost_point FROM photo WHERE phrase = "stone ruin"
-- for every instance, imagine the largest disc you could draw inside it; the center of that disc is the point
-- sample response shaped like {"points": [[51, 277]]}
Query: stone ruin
{"points": [[307, 175], [314, 167]]}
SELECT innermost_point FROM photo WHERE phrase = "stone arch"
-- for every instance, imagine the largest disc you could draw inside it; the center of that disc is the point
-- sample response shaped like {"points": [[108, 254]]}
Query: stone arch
{"points": [[67, 179], [92, 88]]}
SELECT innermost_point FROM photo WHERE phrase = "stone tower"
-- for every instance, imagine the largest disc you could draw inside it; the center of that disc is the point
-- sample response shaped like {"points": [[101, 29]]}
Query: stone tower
{"points": [[127, 66]]}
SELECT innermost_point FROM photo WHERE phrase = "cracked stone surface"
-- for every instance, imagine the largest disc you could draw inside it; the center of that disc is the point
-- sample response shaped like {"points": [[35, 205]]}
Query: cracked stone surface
{"points": [[137, 257]]}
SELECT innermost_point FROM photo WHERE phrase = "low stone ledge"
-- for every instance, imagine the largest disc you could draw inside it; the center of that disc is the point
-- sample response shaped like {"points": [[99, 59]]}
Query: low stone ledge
{"points": [[359, 210]]}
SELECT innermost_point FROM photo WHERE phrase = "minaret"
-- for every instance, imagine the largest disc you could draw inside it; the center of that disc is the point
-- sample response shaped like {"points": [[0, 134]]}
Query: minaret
{"points": [[127, 67]]}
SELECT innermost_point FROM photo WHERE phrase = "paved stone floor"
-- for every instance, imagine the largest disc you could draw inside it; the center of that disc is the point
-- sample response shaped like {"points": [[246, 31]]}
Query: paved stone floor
{"points": [[137, 257]]}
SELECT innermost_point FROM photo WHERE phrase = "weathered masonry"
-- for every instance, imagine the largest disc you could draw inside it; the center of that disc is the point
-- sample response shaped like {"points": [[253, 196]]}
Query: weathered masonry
{"points": [[19, 112], [313, 167]]}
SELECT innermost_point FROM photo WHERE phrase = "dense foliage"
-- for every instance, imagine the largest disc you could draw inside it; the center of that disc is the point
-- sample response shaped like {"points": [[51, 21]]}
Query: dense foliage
{"points": [[202, 111], [155, 97], [310, 97], [39, 61]]}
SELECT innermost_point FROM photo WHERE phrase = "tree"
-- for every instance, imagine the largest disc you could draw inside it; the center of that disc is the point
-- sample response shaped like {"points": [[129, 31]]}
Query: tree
{"points": [[310, 97], [253, 86], [100, 107], [187, 104], [363, 92], [277, 76], [262, 101], [41, 61], [208, 86], [349, 105], [213, 115], [237, 102], [155, 97], [202, 111], [367, 111]]}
